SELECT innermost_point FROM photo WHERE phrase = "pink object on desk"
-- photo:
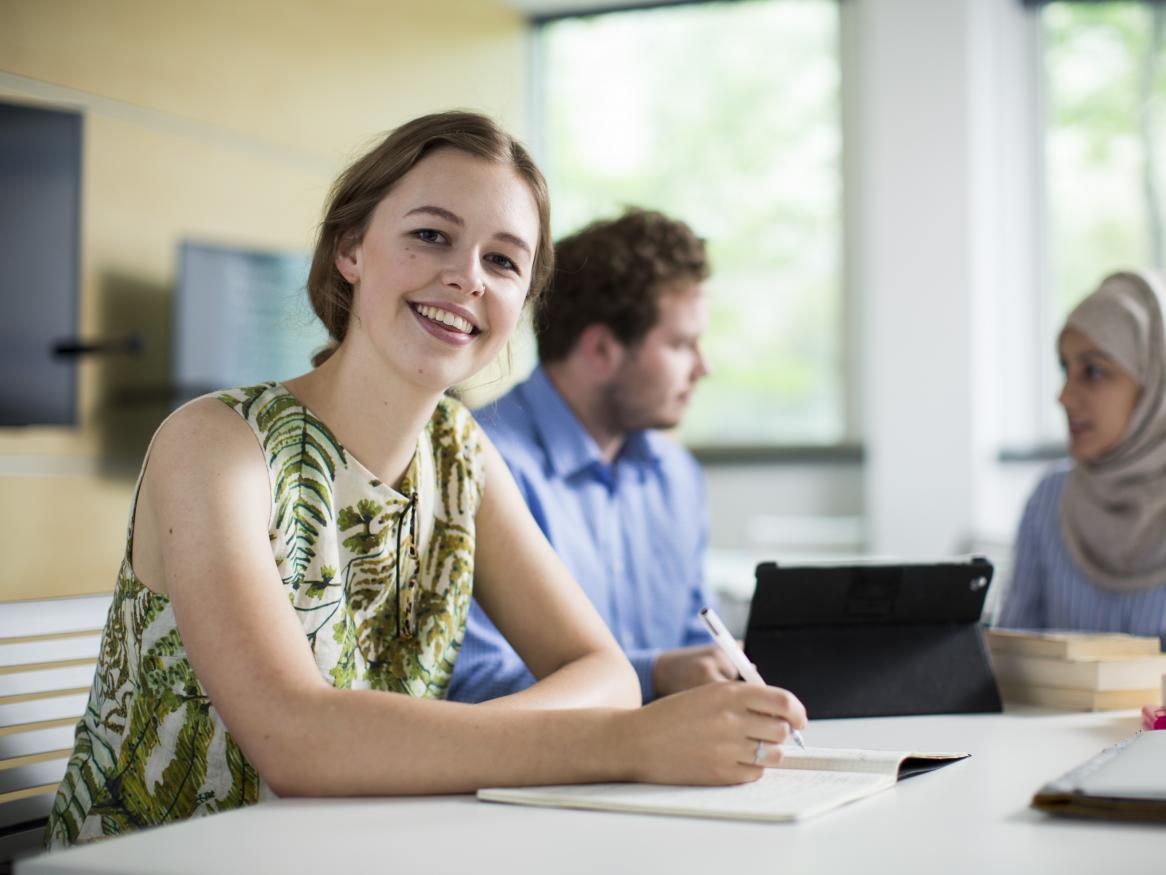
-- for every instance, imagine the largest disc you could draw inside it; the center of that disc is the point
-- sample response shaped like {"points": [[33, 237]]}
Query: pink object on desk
{"points": [[1153, 717]]}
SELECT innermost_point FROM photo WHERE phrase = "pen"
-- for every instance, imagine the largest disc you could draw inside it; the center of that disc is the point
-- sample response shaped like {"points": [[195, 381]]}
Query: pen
{"points": [[728, 645]]}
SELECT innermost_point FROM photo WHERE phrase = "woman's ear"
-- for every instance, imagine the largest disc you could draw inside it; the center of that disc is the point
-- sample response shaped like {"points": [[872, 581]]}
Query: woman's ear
{"points": [[348, 257]]}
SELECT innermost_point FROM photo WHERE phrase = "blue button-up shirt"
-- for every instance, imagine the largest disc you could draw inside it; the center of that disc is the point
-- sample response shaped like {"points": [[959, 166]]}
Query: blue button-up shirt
{"points": [[633, 533]]}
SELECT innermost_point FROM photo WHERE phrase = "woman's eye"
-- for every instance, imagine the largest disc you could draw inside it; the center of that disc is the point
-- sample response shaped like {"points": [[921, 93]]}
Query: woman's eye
{"points": [[428, 235], [1093, 372], [503, 262]]}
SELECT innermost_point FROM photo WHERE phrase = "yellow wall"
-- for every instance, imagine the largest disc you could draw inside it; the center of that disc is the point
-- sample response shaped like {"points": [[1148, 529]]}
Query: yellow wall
{"points": [[221, 120]]}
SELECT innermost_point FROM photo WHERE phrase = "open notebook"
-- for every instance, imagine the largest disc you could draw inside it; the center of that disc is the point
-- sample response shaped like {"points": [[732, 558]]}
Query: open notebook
{"points": [[808, 782]]}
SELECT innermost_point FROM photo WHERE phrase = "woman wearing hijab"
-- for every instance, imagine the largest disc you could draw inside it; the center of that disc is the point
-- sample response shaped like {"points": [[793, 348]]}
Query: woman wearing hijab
{"points": [[1091, 551]]}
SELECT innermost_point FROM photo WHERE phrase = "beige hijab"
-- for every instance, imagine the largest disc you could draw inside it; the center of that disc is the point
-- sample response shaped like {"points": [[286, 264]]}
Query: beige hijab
{"points": [[1113, 511]]}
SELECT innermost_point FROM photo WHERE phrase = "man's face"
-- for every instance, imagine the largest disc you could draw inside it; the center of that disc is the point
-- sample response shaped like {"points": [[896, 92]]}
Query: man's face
{"points": [[655, 381]]}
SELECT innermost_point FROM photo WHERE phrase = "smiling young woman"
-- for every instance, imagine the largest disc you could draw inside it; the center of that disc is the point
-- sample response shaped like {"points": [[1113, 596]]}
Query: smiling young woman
{"points": [[300, 557], [1091, 551]]}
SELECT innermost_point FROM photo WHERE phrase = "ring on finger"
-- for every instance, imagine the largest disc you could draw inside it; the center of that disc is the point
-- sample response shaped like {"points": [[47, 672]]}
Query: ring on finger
{"points": [[759, 753]]}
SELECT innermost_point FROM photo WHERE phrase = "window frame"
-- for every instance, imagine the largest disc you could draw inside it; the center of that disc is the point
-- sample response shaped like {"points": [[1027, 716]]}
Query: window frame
{"points": [[1042, 436], [848, 448]]}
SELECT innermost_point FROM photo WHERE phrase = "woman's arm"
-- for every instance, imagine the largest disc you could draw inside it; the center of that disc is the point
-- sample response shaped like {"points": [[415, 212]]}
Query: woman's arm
{"points": [[205, 504]]}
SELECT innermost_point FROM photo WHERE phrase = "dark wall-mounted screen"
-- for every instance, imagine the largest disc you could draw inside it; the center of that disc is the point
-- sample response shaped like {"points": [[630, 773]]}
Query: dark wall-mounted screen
{"points": [[40, 194], [241, 316]]}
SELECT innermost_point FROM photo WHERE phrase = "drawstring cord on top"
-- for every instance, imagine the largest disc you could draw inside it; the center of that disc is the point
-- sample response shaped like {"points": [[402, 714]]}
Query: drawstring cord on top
{"points": [[410, 588]]}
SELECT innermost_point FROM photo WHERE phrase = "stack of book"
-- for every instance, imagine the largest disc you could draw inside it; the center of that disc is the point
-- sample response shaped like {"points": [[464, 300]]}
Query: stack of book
{"points": [[1077, 671]]}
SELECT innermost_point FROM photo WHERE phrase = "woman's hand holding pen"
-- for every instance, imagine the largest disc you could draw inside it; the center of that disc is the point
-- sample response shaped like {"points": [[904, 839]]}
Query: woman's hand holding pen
{"points": [[747, 670], [719, 733]]}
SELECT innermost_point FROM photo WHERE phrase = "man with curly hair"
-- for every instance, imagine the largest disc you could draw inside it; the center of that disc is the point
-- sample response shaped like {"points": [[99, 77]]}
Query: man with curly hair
{"points": [[623, 505]]}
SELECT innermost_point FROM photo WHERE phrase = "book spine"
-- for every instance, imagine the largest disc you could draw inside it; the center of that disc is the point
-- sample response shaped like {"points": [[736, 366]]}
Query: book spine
{"points": [[1104, 674], [1076, 700]]}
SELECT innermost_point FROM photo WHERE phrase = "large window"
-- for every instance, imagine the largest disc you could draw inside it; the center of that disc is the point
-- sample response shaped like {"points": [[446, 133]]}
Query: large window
{"points": [[1105, 146], [726, 115]]}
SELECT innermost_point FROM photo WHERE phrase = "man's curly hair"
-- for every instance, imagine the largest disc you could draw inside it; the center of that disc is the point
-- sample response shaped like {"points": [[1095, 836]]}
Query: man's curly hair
{"points": [[613, 273]]}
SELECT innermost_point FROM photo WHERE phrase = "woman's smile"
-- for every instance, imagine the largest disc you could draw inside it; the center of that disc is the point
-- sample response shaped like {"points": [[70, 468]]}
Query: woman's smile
{"points": [[446, 322]]}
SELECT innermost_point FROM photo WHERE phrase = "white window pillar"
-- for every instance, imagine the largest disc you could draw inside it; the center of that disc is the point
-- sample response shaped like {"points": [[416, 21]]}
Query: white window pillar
{"points": [[944, 189]]}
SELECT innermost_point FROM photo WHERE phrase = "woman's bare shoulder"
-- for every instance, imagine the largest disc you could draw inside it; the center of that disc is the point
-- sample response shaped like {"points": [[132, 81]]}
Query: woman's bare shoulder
{"points": [[206, 445], [205, 485], [205, 426]]}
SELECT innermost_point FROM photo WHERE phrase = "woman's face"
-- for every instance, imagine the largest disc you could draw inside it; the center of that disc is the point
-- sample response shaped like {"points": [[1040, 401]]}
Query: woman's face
{"points": [[1098, 396], [442, 270]]}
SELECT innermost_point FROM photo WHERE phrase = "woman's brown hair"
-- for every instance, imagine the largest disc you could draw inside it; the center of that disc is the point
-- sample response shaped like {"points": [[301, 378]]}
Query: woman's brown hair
{"points": [[365, 183]]}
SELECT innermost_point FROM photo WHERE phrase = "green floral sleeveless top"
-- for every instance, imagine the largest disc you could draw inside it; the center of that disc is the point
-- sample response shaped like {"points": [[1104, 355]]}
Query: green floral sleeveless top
{"points": [[380, 579]]}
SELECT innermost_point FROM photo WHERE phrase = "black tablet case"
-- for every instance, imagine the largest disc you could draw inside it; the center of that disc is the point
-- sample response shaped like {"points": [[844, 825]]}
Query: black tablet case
{"points": [[874, 640]]}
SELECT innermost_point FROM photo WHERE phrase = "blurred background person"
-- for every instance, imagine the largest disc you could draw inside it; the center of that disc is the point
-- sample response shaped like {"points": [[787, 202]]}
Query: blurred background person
{"points": [[619, 348], [1091, 550]]}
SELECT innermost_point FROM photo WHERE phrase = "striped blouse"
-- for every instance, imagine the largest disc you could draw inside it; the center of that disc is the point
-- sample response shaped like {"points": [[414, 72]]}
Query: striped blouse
{"points": [[1049, 591]]}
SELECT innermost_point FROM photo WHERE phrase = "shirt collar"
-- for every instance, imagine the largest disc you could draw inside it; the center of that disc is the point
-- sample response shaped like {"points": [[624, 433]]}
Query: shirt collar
{"points": [[568, 445]]}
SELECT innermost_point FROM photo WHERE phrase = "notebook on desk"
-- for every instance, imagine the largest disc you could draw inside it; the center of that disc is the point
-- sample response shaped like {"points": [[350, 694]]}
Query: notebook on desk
{"points": [[807, 783], [1126, 781]]}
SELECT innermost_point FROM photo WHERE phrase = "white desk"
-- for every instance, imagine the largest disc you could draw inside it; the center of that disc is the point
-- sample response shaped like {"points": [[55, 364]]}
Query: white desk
{"points": [[972, 816]]}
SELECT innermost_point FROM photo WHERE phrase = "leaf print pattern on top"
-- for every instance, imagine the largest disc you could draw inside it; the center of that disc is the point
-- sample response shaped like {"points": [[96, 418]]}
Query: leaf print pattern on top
{"points": [[362, 564], [302, 459]]}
